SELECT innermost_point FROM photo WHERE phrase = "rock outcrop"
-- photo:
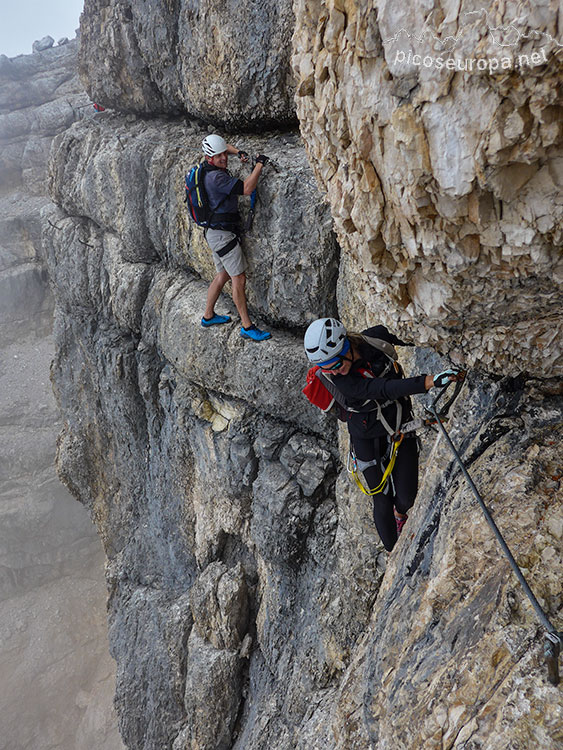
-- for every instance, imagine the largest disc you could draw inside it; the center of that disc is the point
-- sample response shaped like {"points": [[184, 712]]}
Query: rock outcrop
{"points": [[227, 436], [57, 677], [40, 45], [224, 63], [139, 169], [444, 185], [451, 640], [40, 96], [251, 604]]}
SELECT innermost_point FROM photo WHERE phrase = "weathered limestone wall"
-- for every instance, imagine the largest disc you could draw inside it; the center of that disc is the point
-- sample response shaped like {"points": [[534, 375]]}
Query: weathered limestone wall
{"points": [[39, 97], [224, 63], [445, 186], [132, 184], [56, 675], [451, 640], [244, 572], [251, 603], [226, 436]]}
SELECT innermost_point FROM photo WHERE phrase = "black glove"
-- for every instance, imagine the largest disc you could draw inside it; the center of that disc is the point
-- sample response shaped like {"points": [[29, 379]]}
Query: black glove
{"points": [[243, 156], [442, 379], [261, 159]]}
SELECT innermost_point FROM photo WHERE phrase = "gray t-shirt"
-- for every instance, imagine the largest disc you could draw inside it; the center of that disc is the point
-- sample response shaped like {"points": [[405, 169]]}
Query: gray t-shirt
{"points": [[219, 184]]}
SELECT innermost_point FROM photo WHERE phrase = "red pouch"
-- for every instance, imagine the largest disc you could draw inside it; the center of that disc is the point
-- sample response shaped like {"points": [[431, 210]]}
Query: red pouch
{"points": [[315, 391]]}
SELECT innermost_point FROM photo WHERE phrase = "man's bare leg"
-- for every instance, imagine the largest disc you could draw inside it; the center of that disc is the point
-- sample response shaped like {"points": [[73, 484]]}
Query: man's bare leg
{"points": [[215, 289], [239, 298]]}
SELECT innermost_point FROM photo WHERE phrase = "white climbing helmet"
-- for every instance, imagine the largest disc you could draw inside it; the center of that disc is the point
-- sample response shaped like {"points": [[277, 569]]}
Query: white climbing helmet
{"points": [[325, 340], [213, 145]]}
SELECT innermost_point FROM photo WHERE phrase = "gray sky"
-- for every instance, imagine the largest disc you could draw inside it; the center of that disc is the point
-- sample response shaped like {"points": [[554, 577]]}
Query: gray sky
{"points": [[24, 21]]}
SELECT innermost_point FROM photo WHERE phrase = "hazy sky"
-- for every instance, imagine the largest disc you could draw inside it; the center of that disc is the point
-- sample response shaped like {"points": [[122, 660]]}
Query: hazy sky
{"points": [[24, 21]]}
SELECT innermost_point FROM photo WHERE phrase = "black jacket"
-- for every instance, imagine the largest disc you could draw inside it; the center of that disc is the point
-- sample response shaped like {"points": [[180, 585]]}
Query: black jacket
{"points": [[392, 386]]}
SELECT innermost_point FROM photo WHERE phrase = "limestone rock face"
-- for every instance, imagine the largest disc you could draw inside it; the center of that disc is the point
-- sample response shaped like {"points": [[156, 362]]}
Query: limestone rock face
{"points": [[250, 600], [449, 635], [130, 277], [40, 96], [251, 604], [129, 179], [225, 63], [444, 184], [56, 675]]}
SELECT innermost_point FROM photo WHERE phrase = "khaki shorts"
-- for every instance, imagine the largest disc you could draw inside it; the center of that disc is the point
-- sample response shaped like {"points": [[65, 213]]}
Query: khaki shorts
{"points": [[233, 262]]}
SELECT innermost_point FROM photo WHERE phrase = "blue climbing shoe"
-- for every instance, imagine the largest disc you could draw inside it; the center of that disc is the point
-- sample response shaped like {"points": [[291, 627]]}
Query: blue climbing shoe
{"points": [[254, 333], [215, 320]]}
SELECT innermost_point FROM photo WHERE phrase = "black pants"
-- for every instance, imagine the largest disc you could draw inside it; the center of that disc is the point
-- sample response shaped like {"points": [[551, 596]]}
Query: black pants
{"points": [[405, 481]]}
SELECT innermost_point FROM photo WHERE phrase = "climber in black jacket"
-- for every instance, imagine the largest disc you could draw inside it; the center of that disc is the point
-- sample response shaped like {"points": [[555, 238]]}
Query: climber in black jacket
{"points": [[369, 383]]}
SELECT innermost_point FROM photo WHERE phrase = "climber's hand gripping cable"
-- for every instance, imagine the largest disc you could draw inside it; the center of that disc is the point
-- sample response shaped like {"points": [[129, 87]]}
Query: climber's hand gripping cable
{"points": [[442, 380], [453, 375]]}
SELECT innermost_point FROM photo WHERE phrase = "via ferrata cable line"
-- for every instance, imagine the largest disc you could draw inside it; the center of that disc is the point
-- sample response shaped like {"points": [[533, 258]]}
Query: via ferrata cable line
{"points": [[553, 638]]}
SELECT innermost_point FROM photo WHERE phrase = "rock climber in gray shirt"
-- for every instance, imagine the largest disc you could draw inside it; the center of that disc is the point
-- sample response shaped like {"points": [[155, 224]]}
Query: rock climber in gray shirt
{"points": [[223, 191]]}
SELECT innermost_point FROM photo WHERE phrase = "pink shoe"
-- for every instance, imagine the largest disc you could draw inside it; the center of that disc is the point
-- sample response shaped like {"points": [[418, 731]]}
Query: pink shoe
{"points": [[400, 521]]}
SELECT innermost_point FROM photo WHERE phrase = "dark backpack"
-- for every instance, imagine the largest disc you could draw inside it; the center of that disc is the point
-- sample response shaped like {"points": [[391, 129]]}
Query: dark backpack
{"points": [[198, 200], [196, 196]]}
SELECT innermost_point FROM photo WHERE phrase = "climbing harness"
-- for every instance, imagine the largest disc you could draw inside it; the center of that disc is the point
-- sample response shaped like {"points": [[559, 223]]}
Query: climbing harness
{"points": [[553, 638], [358, 465], [354, 465]]}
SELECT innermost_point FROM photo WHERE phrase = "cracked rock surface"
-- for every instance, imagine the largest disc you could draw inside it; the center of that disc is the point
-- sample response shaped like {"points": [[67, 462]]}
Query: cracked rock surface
{"points": [[56, 675], [450, 223], [251, 604], [226, 63]]}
